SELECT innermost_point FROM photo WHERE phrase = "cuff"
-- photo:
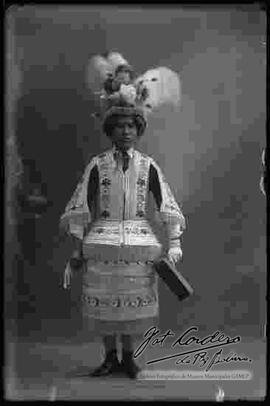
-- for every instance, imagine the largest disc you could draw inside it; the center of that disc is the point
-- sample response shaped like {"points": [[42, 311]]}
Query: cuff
{"points": [[75, 223], [76, 230], [175, 225], [175, 243]]}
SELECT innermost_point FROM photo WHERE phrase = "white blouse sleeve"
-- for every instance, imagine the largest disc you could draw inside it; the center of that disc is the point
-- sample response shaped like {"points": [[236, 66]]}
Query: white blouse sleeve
{"points": [[77, 217], [170, 213]]}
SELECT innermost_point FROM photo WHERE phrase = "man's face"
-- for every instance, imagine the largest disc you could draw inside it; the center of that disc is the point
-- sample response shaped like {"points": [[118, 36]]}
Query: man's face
{"points": [[124, 133]]}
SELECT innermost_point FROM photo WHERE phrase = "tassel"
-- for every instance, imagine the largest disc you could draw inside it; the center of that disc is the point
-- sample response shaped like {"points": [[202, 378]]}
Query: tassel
{"points": [[67, 276]]}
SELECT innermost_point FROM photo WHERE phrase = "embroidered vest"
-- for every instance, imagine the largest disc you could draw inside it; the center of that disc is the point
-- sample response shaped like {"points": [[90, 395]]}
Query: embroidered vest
{"points": [[123, 196], [121, 230]]}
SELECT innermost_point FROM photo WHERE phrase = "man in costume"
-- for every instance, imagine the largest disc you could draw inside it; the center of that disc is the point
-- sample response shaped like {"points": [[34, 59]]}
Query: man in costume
{"points": [[108, 219]]}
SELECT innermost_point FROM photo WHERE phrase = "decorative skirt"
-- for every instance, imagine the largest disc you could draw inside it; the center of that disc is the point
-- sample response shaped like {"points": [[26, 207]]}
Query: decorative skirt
{"points": [[119, 297]]}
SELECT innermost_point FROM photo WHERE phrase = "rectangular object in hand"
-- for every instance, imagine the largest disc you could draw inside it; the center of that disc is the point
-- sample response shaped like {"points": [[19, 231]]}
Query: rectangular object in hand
{"points": [[173, 278]]}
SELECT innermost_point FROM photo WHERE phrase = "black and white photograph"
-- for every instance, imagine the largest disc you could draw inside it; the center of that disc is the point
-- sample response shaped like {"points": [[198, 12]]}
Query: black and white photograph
{"points": [[135, 202]]}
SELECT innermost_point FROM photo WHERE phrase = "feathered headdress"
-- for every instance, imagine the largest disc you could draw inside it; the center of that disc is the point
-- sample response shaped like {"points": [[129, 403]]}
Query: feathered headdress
{"points": [[119, 91]]}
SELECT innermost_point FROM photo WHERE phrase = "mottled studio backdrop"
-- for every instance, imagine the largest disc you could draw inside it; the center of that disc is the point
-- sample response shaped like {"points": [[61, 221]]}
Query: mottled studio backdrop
{"points": [[210, 152]]}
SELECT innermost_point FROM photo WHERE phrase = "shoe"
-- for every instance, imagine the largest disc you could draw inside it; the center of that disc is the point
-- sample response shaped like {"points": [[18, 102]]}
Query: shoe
{"points": [[108, 367], [130, 368]]}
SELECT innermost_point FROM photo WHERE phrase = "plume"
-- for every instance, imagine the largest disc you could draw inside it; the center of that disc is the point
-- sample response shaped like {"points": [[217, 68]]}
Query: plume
{"points": [[163, 87], [115, 59], [100, 67]]}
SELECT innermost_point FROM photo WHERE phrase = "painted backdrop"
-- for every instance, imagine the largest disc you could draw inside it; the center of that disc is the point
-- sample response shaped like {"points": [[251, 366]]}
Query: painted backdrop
{"points": [[210, 152]]}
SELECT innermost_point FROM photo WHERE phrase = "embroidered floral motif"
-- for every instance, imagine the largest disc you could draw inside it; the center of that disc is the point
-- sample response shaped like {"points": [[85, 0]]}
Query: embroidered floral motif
{"points": [[140, 197], [138, 301], [106, 200], [93, 301], [116, 302], [103, 303], [119, 301], [141, 182], [170, 207], [147, 301], [136, 230], [101, 230], [144, 231], [142, 186], [126, 303], [106, 182], [105, 185], [140, 201]]}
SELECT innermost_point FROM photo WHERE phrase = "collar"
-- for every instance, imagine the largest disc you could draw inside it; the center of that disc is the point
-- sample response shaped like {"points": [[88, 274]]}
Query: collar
{"points": [[117, 152]]}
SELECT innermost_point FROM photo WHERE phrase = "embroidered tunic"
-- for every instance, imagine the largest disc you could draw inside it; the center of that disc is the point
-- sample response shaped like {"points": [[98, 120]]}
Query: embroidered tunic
{"points": [[109, 213]]}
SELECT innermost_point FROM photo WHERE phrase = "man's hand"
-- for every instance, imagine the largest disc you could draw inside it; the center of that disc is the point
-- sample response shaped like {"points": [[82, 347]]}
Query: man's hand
{"points": [[175, 254]]}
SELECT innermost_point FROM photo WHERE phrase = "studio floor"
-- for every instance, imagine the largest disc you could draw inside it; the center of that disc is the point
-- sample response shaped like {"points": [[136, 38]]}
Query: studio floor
{"points": [[55, 370]]}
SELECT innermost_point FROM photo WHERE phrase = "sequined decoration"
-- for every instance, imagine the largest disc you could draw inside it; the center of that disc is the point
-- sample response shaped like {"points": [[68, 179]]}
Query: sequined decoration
{"points": [[141, 188], [105, 185]]}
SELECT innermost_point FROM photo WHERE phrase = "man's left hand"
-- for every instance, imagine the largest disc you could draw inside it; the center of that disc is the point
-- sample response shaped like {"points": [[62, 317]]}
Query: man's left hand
{"points": [[175, 254]]}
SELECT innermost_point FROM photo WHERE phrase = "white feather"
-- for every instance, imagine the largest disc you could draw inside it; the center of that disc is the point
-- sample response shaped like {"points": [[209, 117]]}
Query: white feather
{"points": [[97, 71], [102, 65], [115, 59], [164, 87]]}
